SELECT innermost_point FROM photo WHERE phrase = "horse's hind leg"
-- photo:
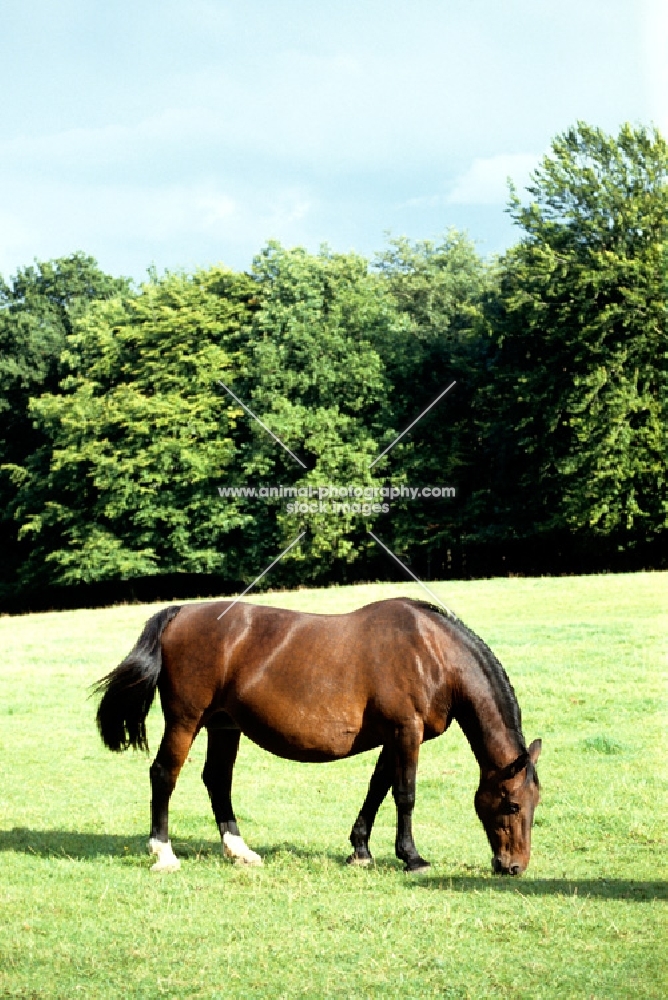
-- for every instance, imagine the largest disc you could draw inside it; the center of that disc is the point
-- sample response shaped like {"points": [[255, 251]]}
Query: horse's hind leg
{"points": [[379, 786], [165, 769], [221, 754]]}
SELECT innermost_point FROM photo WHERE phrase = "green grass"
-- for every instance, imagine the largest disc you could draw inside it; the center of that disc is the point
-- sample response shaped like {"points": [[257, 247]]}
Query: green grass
{"points": [[82, 915]]}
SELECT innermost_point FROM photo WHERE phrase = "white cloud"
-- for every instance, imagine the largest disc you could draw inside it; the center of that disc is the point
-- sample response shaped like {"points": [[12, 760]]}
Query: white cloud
{"points": [[85, 149], [486, 180], [128, 226], [425, 201], [189, 132], [215, 208]]}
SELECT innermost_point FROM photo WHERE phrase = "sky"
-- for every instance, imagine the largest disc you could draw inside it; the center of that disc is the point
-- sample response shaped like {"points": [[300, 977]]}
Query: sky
{"points": [[182, 133]]}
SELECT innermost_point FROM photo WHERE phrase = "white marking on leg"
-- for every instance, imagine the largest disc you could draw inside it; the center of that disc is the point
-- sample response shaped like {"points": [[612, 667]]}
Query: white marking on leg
{"points": [[234, 847], [167, 860], [360, 862]]}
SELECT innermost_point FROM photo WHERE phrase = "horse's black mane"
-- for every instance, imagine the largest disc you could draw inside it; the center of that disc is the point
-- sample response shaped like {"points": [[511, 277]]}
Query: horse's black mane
{"points": [[491, 666]]}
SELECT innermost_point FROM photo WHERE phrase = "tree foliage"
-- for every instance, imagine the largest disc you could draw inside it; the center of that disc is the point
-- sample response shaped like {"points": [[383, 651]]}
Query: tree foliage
{"points": [[38, 309], [439, 289], [139, 436], [117, 436], [313, 372], [579, 389]]}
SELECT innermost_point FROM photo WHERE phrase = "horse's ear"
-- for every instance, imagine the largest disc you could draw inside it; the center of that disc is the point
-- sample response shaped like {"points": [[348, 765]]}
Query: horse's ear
{"points": [[534, 750]]}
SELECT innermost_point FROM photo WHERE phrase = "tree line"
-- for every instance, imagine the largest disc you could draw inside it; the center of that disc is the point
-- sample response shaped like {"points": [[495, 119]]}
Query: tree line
{"points": [[125, 409]]}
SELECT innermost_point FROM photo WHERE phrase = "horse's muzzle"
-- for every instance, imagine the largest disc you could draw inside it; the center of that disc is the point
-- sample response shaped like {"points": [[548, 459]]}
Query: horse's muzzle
{"points": [[499, 868]]}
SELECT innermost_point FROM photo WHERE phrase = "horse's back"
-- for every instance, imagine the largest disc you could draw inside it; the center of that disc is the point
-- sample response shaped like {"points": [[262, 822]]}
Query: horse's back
{"points": [[305, 686]]}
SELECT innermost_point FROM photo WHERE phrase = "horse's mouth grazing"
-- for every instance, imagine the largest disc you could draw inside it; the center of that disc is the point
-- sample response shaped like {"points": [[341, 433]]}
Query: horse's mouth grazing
{"points": [[500, 869]]}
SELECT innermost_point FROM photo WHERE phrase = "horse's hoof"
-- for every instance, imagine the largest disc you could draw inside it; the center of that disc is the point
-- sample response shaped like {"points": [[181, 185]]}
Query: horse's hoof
{"points": [[166, 865], [358, 862], [167, 860], [236, 849], [250, 860], [416, 867]]}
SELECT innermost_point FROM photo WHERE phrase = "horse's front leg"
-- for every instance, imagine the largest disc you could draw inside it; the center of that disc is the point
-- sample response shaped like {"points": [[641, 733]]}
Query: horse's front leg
{"points": [[221, 754], [165, 769], [406, 751], [379, 786]]}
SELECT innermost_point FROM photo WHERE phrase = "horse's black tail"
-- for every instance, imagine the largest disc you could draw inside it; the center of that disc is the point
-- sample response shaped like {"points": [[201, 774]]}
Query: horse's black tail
{"points": [[128, 691]]}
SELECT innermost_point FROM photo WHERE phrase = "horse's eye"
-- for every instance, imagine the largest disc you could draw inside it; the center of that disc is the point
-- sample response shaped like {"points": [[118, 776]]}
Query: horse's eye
{"points": [[513, 807]]}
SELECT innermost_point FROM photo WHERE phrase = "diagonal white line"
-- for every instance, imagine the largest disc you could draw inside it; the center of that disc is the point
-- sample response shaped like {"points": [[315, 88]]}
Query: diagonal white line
{"points": [[399, 437], [255, 417], [263, 573], [410, 572]]}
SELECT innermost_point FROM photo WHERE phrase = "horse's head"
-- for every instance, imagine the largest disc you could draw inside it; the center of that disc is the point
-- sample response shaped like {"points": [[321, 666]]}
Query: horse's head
{"points": [[505, 803]]}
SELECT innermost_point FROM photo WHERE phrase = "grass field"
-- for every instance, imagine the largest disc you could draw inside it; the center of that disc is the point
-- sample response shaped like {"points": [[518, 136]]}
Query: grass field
{"points": [[81, 915]]}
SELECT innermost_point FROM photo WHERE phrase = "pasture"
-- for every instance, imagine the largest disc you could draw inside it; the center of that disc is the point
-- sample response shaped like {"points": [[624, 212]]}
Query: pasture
{"points": [[82, 915]]}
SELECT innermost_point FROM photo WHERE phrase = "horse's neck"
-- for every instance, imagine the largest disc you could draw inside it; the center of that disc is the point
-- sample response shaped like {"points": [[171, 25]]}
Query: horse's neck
{"points": [[493, 742]]}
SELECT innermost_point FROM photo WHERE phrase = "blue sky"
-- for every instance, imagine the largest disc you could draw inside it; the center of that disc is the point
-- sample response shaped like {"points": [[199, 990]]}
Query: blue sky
{"points": [[180, 134]]}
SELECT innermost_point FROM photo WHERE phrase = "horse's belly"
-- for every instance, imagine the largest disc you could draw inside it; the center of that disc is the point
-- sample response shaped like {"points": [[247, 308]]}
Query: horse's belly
{"points": [[294, 733]]}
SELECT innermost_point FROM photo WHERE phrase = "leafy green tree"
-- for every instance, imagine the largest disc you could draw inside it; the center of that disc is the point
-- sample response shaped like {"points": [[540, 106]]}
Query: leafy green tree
{"points": [[314, 375], [578, 394], [439, 289], [116, 437], [38, 308], [142, 437], [139, 436]]}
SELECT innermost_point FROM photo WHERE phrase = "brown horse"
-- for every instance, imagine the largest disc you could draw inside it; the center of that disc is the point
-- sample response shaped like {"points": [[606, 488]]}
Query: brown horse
{"points": [[319, 688]]}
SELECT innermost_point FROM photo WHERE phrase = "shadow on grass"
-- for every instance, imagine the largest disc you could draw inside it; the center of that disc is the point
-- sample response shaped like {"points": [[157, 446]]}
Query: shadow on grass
{"points": [[584, 888], [88, 846]]}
